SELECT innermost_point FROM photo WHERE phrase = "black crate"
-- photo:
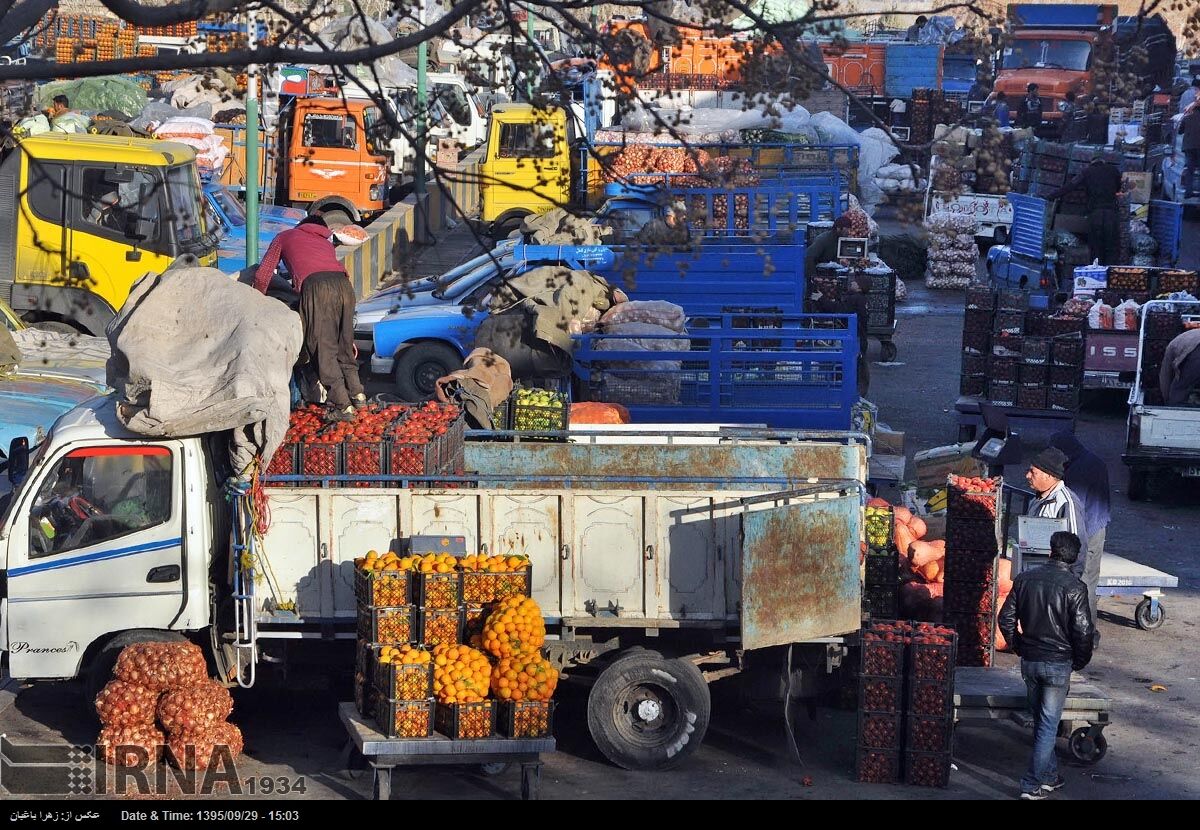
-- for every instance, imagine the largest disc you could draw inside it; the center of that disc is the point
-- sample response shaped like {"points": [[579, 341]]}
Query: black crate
{"points": [[1031, 396], [405, 718], [1064, 377], [877, 766], [1127, 278], [932, 698], [1008, 321], [1067, 350], [364, 458], [882, 695], [364, 695], [478, 586], [466, 721], [1003, 369], [974, 364], [875, 522], [383, 589], [403, 681], [963, 504], [1035, 350], [408, 459], [882, 569], [972, 386], [1007, 345], [881, 602], [971, 566], [970, 597], [1032, 374], [440, 626], [1171, 281], [977, 342], [881, 658], [392, 626], [437, 590], [320, 460], [963, 533], [475, 614], [1065, 400], [933, 662], [981, 299], [973, 630], [525, 718], [977, 319], [1002, 393], [285, 461], [929, 733], [514, 584], [528, 418], [876, 731], [927, 769], [1012, 300]]}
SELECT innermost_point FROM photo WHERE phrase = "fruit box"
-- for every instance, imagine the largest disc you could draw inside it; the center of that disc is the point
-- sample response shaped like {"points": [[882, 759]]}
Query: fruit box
{"points": [[525, 718], [929, 734], [514, 584], [881, 695], [440, 626], [878, 766], [285, 461], [877, 731], [387, 626], [382, 589], [524, 416], [933, 697], [466, 721], [403, 681], [927, 769], [364, 458], [436, 590], [881, 658], [972, 566], [970, 598], [881, 601], [882, 569], [320, 460], [405, 718], [933, 662]]}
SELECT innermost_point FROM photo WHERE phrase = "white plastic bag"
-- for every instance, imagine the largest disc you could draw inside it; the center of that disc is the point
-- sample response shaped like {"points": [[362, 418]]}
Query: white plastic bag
{"points": [[1101, 316], [1125, 316]]}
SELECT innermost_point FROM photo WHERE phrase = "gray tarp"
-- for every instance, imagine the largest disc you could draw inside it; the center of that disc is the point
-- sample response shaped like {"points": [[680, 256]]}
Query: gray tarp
{"points": [[195, 352]]}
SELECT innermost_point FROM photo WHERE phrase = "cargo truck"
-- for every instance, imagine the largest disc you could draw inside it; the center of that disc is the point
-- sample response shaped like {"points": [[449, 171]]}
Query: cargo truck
{"points": [[658, 565]]}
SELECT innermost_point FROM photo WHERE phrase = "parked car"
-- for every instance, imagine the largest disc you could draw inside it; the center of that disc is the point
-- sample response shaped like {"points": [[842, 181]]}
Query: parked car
{"points": [[51, 353], [30, 403], [227, 215]]}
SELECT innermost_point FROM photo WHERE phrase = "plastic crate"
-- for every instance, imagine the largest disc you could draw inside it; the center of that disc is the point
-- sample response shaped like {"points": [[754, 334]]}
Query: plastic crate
{"points": [[971, 534], [1003, 369], [387, 626], [383, 589], [514, 584], [882, 569], [466, 721], [525, 718], [434, 590], [877, 731], [971, 566], [972, 386], [364, 695], [478, 587], [877, 766], [1067, 350], [933, 662], [407, 459], [1031, 374], [976, 637], [440, 626], [474, 616], [1064, 377], [881, 658], [405, 718], [1036, 350], [1127, 278], [320, 460], [880, 695], [881, 601], [1002, 392], [983, 299], [1008, 321], [927, 769], [285, 461], [1012, 300], [970, 598], [969, 504], [976, 342], [929, 733], [1066, 400], [527, 418], [364, 458], [403, 681], [932, 698], [974, 364]]}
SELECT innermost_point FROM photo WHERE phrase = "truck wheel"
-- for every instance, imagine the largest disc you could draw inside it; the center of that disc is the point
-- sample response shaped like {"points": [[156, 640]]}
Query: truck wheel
{"points": [[1139, 484], [420, 365], [336, 217], [648, 712], [97, 675]]}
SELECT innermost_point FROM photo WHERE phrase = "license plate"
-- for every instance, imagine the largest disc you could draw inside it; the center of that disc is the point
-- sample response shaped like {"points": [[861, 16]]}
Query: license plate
{"points": [[1192, 472]]}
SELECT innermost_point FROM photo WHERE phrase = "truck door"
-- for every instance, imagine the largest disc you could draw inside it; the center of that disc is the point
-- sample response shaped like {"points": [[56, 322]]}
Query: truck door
{"points": [[527, 167], [97, 548], [42, 233]]}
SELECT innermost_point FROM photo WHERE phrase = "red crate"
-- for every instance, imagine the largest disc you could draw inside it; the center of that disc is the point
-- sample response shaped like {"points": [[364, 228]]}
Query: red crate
{"points": [[285, 461], [878, 766], [929, 734], [880, 695], [881, 658], [320, 460]]}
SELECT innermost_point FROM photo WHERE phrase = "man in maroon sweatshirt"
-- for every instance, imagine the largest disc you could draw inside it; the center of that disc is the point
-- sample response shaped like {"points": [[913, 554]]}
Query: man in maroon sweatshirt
{"points": [[326, 308]]}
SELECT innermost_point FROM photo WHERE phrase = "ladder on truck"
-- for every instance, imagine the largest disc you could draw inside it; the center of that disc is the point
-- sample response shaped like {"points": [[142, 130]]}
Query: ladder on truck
{"points": [[243, 549]]}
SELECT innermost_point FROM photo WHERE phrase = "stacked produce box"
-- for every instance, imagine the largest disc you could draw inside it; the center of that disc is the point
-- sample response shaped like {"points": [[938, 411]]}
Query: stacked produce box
{"points": [[881, 566], [905, 712], [457, 647], [1012, 356], [381, 441], [1161, 327], [535, 411], [973, 533]]}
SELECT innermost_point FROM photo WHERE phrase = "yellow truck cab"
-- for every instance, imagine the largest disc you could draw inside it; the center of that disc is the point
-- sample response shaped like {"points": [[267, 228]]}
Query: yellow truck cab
{"points": [[527, 165], [83, 217]]}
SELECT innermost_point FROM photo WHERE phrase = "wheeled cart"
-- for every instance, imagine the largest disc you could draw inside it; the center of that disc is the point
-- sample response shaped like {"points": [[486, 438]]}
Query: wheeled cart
{"points": [[1120, 577], [385, 754], [999, 694]]}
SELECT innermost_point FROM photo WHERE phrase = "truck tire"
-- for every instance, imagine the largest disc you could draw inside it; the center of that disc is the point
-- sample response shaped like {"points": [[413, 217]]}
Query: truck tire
{"points": [[420, 365], [97, 675], [648, 712]]}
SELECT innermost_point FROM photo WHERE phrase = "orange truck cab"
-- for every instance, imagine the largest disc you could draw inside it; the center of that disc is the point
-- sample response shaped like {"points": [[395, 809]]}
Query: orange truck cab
{"points": [[1057, 47], [336, 157]]}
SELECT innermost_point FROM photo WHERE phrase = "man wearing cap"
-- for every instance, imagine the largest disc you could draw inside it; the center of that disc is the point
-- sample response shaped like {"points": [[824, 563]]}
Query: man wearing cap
{"points": [[1056, 501]]}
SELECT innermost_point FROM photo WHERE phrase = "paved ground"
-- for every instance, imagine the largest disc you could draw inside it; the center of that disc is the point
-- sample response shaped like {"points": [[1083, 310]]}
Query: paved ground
{"points": [[1153, 740]]}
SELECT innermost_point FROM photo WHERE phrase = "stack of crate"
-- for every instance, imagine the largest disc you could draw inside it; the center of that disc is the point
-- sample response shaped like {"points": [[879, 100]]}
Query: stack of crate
{"points": [[882, 568], [1161, 326], [973, 532], [385, 618], [905, 711]]}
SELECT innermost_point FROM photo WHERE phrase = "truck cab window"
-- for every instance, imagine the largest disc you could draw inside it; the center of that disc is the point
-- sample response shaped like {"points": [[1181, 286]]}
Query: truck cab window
{"points": [[526, 141], [110, 201], [455, 102], [45, 190], [99, 494], [333, 131]]}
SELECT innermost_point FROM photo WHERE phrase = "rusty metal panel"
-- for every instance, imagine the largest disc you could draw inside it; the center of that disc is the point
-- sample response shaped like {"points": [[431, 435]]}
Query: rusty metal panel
{"points": [[800, 572], [705, 467]]}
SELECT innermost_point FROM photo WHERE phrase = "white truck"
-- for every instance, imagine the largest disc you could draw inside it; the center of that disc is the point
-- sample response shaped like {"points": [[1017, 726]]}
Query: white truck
{"points": [[658, 565], [993, 213]]}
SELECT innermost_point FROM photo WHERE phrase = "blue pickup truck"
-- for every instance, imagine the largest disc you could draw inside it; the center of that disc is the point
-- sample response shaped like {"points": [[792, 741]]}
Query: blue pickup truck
{"points": [[228, 216]]}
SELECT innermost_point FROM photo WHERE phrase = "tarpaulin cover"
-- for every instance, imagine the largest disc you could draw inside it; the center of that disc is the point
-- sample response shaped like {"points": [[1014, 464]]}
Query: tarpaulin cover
{"points": [[194, 352], [96, 95]]}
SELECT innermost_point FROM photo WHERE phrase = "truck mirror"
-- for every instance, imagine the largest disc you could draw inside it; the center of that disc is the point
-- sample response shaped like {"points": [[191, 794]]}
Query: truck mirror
{"points": [[118, 176], [18, 460]]}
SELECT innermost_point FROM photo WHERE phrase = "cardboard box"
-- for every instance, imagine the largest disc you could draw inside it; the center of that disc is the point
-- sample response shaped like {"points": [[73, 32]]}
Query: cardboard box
{"points": [[932, 466], [447, 153], [1138, 185], [888, 442]]}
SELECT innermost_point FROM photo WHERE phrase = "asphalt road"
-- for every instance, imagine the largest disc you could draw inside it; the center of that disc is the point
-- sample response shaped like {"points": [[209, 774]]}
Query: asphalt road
{"points": [[747, 754]]}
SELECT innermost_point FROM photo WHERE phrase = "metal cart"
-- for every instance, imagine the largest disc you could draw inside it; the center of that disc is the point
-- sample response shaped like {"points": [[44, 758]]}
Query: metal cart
{"points": [[385, 754], [1119, 577], [999, 694]]}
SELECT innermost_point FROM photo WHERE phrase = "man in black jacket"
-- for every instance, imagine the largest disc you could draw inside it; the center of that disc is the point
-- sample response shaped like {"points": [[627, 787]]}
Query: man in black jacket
{"points": [[1101, 183], [1051, 605]]}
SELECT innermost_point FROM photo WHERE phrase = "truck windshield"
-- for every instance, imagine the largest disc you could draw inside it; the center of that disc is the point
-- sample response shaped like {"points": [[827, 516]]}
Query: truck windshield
{"points": [[455, 288], [183, 188], [1072, 55], [234, 212]]}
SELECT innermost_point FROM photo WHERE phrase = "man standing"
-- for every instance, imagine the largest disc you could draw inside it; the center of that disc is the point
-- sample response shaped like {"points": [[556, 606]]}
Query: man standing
{"points": [[326, 309], [1189, 96], [1031, 108], [997, 107], [913, 33], [669, 232], [1100, 182], [1179, 377], [1055, 638], [1189, 128], [1087, 478]]}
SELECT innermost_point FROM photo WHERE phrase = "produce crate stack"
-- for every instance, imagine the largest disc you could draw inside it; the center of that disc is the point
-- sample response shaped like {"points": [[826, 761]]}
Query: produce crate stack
{"points": [[421, 669], [905, 703], [882, 568], [973, 531], [921, 120], [534, 411], [1161, 327], [952, 250]]}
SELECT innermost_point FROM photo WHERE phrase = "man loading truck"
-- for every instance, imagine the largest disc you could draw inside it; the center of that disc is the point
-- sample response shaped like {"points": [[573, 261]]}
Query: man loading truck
{"points": [[1100, 182]]}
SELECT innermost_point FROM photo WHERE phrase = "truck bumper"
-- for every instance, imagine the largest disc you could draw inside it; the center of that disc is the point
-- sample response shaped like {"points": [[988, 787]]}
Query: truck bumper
{"points": [[381, 365]]}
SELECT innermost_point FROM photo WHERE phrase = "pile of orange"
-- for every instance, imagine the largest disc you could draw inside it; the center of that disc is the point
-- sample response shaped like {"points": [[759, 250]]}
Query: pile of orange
{"points": [[374, 562], [404, 655], [494, 564], [430, 563], [460, 674], [524, 677], [514, 627]]}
